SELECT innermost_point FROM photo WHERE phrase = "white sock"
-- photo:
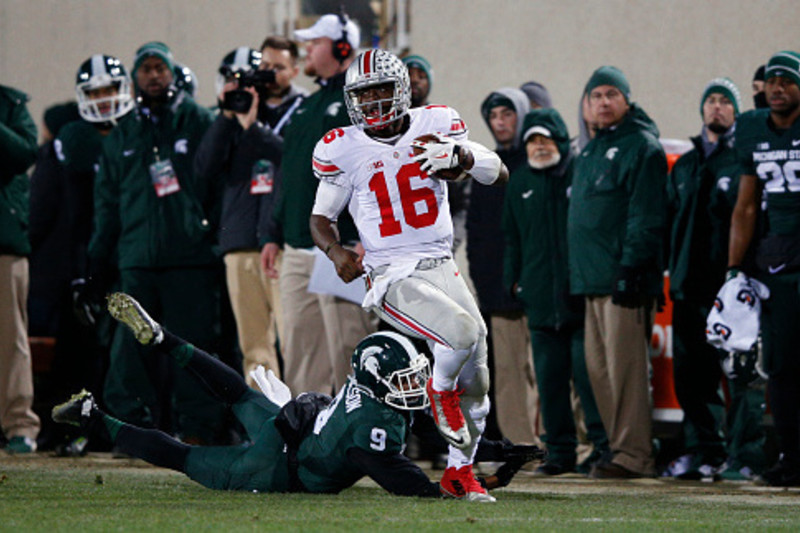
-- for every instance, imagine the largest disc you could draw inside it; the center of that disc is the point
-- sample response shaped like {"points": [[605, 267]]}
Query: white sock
{"points": [[459, 458], [447, 365]]}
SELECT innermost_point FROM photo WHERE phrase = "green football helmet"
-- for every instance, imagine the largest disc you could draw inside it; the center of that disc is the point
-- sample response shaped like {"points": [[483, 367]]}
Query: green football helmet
{"points": [[103, 87], [389, 366]]}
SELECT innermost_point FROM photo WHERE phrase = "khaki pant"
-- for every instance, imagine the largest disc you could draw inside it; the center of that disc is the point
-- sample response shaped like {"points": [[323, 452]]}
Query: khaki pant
{"points": [[256, 304], [515, 394], [16, 377], [320, 331], [618, 365]]}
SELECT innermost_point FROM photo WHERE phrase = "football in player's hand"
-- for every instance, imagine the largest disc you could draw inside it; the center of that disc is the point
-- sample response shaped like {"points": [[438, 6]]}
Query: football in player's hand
{"points": [[437, 152]]}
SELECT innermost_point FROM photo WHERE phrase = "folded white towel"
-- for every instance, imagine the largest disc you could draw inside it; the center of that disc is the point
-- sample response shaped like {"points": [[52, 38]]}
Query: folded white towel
{"points": [[734, 321]]}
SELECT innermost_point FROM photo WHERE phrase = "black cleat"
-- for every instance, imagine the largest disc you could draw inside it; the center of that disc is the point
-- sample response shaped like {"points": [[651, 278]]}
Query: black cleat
{"points": [[128, 311], [75, 411]]}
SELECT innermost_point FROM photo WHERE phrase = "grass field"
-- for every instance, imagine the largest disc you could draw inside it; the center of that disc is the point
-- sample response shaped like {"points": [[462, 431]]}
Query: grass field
{"points": [[98, 493]]}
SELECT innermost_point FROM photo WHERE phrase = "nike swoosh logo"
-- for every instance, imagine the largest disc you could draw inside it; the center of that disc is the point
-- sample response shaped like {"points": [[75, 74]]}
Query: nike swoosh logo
{"points": [[128, 153], [457, 442], [795, 142], [441, 156], [775, 270], [527, 194]]}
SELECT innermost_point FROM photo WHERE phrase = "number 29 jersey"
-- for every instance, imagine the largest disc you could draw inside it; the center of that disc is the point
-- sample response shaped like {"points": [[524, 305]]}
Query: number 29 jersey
{"points": [[401, 213], [774, 156]]}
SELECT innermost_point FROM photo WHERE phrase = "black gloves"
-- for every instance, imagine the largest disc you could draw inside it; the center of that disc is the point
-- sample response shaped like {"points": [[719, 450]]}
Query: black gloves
{"points": [[628, 288], [87, 301]]}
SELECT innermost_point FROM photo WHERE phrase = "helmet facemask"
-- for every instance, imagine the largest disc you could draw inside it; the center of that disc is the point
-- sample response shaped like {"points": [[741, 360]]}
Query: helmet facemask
{"points": [[103, 72], [407, 387]]}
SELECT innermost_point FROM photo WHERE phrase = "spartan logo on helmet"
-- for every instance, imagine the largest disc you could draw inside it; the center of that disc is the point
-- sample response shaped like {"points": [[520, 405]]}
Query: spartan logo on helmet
{"points": [[103, 88], [370, 69], [388, 365]]}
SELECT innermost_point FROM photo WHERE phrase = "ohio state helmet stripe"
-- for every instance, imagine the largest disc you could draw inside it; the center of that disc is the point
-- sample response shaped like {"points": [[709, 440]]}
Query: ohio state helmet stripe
{"points": [[366, 65]]}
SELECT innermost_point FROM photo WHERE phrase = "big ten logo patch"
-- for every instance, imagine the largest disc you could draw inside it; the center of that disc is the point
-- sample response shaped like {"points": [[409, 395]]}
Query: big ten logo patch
{"points": [[262, 177]]}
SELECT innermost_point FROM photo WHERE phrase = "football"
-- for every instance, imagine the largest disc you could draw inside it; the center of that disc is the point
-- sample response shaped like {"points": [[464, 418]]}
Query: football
{"points": [[451, 174]]}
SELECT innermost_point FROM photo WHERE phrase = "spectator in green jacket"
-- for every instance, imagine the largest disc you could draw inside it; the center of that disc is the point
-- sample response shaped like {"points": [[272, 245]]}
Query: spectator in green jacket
{"points": [[318, 328], [702, 193], [153, 221], [536, 271], [615, 233], [18, 422]]}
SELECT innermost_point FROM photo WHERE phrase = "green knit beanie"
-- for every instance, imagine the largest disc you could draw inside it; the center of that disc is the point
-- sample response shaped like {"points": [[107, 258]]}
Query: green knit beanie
{"points": [[608, 75], [153, 49], [422, 64], [725, 87], [786, 64]]}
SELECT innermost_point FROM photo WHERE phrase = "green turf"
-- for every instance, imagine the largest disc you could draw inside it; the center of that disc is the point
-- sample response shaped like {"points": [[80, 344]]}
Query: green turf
{"points": [[36, 497]]}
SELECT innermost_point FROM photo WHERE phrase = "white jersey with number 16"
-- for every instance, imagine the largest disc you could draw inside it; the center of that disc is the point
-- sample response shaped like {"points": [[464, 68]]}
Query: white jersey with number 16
{"points": [[401, 213]]}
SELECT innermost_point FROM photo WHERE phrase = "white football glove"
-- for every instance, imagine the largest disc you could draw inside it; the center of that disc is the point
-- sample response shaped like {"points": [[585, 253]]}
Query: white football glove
{"points": [[273, 388], [436, 156]]}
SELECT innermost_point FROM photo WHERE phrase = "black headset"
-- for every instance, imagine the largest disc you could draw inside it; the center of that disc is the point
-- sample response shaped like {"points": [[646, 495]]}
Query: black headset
{"points": [[342, 49]]}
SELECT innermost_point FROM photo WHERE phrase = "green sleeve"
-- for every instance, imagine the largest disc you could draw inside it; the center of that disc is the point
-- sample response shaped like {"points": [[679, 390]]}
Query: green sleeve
{"points": [[512, 259], [17, 142], [645, 222], [106, 206]]}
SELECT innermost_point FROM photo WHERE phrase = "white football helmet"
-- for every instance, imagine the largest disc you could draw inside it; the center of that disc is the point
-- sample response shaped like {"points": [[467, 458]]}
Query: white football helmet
{"points": [[99, 72], [377, 67]]}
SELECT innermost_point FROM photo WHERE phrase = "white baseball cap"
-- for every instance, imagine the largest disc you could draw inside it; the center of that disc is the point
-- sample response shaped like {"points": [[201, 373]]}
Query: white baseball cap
{"points": [[331, 26], [537, 130]]}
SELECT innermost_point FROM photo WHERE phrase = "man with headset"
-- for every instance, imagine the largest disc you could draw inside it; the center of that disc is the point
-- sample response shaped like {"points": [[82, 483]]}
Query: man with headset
{"points": [[318, 328]]}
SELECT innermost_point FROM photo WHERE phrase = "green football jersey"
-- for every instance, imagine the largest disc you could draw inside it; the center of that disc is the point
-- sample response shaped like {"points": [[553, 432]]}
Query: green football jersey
{"points": [[774, 156], [355, 419]]}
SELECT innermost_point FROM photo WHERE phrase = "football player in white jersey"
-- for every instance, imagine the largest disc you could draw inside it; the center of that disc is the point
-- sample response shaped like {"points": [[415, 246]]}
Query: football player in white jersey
{"points": [[388, 168]]}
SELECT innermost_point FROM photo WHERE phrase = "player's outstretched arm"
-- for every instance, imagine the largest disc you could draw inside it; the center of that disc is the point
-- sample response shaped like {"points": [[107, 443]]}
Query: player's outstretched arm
{"points": [[347, 262], [396, 473]]}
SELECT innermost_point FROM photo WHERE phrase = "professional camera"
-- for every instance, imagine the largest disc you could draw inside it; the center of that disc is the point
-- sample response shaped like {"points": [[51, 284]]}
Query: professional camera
{"points": [[238, 100]]}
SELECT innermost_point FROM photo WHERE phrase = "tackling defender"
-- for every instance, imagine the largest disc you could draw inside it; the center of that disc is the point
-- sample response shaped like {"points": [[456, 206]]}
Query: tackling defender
{"points": [[390, 166], [310, 444]]}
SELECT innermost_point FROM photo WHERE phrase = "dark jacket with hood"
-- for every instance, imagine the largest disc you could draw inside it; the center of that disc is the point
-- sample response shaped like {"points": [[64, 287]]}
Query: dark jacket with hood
{"points": [[535, 229], [485, 243], [617, 211], [17, 153]]}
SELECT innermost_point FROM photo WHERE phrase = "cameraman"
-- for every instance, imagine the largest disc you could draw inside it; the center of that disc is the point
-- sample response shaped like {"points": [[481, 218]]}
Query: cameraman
{"points": [[279, 55], [242, 153]]}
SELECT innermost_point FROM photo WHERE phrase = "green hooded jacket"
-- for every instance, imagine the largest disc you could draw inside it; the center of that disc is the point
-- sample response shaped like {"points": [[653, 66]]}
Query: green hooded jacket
{"points": [[146, 230], [535, 229], [617, 207], [17, 153]]}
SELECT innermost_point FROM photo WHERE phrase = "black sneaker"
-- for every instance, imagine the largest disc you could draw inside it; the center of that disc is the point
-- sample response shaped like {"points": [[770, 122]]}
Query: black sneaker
{"points": [[75, 411], [124, 308], [783, 474], [549, 468]]}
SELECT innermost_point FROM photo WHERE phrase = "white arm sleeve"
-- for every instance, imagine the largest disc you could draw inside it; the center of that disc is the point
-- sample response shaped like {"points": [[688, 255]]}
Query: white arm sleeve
{"points": [[330, 200], [487, 163]]}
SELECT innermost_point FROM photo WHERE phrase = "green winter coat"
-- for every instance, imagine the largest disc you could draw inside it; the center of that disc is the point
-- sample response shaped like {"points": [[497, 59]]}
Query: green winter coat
{"points": [[17, 153], [150, 231], [535, 229], [702, 193], [318, 114], [618, 206]]}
